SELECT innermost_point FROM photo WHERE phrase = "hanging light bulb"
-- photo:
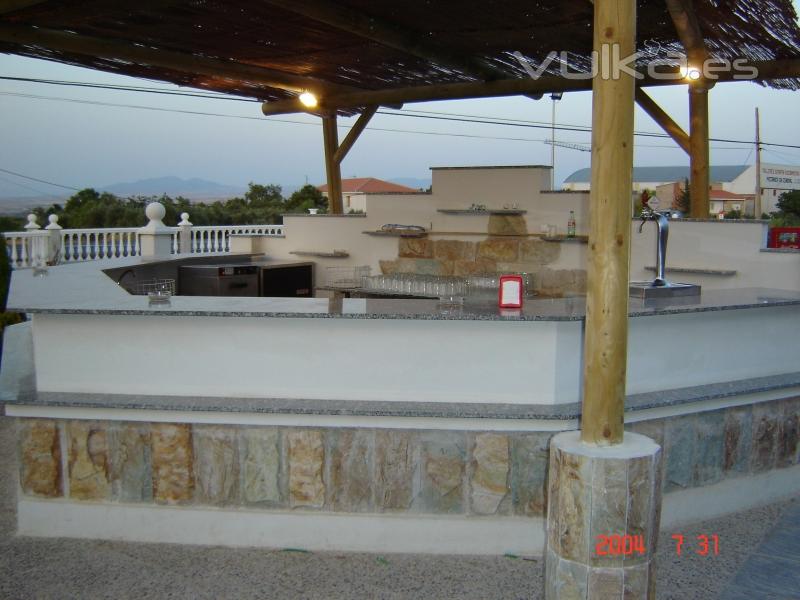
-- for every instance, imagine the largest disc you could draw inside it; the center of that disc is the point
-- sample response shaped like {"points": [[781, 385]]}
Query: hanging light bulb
{"points": [[308, 100], [690, 72]]}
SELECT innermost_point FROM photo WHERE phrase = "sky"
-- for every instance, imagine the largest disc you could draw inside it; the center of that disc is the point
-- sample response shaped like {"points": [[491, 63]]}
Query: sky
{"points": [[91, 145]]}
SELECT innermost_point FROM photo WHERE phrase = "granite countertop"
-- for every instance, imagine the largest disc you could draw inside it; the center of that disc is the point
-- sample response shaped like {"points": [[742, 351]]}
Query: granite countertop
{"points": [[84, 288]]}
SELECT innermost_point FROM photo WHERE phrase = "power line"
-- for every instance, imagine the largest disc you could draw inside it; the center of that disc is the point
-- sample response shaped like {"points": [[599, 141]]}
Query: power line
{"points": [[29, 188], [66, 187], [130, 88], [221, 96], [290, 121]]}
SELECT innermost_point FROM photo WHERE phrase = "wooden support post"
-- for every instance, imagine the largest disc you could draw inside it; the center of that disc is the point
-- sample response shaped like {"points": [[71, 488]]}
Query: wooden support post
{"points": [[354, 132], [699, 153], [663, 119], [606, 340], [330, 135]]}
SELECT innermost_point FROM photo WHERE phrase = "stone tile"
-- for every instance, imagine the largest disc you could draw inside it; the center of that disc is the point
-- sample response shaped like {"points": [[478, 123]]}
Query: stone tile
{"points": [[529, 458], [539, 252], [571, 580], [88, 461], [306, 450], [173, 462], [679, 441], [558, 282], [765, 434], [351, 452], [737, 440], [550, 568], [415, 248], [636, 583], [454, 250], [429, 266], [489, 473], [506, 250], [129, 453], [574, 506], [655, 524], [443, 458], [216, 464], [507, 225], [465, 268], [709, 447], [654, 429], [604, 584], [400, 265], [553, 484], [40, 458], [608, 502], [388, 267], [787, 443], [394, 469], [642, 503], [260, 459]]}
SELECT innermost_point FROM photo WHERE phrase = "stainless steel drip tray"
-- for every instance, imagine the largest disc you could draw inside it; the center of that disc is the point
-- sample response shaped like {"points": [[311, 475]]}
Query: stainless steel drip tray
{"points": [[646, 290]]}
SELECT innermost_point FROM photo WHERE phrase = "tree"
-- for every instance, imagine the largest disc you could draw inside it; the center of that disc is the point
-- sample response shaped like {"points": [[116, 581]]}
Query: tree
{"points": [[306, 197], [684, 202], [788, 213]]}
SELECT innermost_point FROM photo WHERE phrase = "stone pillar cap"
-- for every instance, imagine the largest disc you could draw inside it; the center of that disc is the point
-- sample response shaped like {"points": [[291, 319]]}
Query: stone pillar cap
{"points": [[155, 211]]}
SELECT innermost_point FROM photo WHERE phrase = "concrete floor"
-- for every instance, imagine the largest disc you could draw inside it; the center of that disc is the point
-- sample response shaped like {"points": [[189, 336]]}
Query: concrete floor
{"points": [[66, 568]]}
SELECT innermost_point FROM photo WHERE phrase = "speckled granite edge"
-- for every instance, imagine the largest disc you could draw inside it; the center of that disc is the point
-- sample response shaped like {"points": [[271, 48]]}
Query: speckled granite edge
{"points": [[163, 310], [781, 250], [442, 314]]}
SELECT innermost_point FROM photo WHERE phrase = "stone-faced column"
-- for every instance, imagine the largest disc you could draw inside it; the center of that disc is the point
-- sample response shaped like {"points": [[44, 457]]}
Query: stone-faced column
{"points": [[603, 514]]}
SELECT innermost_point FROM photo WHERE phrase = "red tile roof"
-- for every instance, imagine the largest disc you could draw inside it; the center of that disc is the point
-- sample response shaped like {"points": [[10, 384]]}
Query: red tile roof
{"points": [[369, 185], [725, 195]]}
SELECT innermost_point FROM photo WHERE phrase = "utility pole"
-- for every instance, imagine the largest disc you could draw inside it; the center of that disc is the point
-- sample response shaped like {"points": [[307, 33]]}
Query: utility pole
{"points": [[757, 199], [554, 97]]}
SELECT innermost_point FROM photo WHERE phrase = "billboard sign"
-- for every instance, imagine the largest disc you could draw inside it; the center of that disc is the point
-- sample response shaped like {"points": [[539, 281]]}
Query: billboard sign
{"points": [[780, 177]]}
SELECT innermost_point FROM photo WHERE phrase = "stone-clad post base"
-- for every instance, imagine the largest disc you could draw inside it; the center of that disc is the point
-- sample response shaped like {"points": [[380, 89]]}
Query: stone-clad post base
{"points": [[603, 513]]}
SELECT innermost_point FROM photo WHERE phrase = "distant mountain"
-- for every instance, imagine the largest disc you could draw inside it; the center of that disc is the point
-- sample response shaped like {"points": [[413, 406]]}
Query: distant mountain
{"points": [[194, 188], [412, 182]]}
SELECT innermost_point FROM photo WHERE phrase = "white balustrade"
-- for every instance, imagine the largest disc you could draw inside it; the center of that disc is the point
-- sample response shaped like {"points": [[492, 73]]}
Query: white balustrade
{"points": [[120, 242]]}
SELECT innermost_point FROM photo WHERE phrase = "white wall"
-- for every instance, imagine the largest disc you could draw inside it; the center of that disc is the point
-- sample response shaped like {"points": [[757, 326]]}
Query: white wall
{"points": [[722, 245], [522, 362]]}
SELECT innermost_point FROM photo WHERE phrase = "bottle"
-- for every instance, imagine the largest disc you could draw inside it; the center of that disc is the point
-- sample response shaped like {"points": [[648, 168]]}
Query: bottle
{"points": [[571, 224]]}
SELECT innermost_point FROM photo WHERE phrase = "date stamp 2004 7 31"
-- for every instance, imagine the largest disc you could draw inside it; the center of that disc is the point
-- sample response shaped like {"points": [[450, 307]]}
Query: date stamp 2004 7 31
{"points": [[628, 545]]}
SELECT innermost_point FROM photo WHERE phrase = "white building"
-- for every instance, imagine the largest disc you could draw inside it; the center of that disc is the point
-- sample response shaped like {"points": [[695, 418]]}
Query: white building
{"points": [[355, 190], [775, 180], [737, 179], [649, 178]]}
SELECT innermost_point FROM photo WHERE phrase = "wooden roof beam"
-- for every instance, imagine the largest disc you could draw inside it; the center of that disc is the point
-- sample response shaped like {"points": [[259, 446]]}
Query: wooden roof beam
{"points": [[688, 28], [660, 116], [771, 69], [355, 131], [178, 61]]}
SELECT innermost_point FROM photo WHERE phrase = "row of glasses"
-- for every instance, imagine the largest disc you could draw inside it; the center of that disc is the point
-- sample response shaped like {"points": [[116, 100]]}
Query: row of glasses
{"points": [[449, 289]]}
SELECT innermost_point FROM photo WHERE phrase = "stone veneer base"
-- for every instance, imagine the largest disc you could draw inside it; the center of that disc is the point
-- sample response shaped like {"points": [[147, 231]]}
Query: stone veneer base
{"points": [[595, 494], [429, 534]]}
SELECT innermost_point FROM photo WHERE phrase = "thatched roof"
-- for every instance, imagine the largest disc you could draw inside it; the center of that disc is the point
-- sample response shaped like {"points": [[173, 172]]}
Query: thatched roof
{"points": [[430, 41]]}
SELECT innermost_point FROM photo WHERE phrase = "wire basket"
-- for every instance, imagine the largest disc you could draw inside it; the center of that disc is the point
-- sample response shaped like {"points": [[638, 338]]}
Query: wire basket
{"points": [[346, 277], [158, 290]]}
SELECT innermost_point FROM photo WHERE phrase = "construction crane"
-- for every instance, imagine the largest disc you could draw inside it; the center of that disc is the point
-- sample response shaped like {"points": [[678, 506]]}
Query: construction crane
{"points": [[581, 147]]}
